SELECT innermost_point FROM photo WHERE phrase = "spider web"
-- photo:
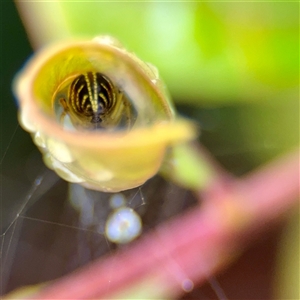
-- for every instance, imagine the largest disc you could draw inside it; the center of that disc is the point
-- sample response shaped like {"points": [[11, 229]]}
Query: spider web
{"points": [[43, 236], [40, 226]]}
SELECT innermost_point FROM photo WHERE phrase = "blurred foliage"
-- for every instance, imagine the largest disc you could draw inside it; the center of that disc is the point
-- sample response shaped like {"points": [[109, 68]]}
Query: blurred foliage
{"points": [[211, 55], [208, 51]]}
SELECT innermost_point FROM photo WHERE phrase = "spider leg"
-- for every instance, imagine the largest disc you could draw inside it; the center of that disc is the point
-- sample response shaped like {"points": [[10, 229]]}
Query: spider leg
{"points": [[63, 103], [127, 109]]}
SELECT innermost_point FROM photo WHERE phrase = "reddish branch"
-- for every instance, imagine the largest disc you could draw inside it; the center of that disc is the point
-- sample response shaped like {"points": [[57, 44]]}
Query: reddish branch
{"points": [[194, 245]]}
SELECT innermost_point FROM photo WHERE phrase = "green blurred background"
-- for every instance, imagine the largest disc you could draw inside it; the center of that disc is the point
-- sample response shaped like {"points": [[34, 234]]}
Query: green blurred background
{"points": [[233, 66], [208, 52]]}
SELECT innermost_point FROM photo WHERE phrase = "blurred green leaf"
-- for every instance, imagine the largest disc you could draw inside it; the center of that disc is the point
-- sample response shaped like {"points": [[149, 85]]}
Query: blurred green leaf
{"points": [[207, 52]]}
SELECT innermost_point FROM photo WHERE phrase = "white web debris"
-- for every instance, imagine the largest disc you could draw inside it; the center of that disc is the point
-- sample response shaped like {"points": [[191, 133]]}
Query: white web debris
{"points": [[123, 225]]}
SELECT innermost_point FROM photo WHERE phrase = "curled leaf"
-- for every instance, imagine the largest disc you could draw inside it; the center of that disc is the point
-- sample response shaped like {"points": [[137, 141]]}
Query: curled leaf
{"points": [[100, 116]]}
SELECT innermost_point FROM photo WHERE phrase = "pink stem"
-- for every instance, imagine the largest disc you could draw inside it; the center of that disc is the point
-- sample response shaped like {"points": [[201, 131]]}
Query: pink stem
{"points": [[194, 245]]}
